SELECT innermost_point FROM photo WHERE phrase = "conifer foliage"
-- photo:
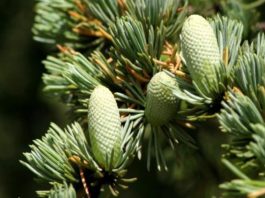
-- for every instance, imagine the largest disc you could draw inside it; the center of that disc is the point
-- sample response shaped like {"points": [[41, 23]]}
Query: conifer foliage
{"points": [[137, 75]]}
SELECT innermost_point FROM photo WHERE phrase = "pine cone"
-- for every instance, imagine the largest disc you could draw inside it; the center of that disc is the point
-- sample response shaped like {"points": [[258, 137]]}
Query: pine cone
{"points": [[200, 49], [161, 104], [104, 126]]}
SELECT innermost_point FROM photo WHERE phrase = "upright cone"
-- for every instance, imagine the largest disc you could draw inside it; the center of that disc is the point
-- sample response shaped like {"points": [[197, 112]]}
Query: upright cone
{"points": [[161, 104], [200, 49], [104, 126]]}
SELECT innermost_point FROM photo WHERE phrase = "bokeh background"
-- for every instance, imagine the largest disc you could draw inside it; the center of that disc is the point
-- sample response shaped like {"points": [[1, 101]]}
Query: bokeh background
{"points": [[25, 114], [24, 111]]}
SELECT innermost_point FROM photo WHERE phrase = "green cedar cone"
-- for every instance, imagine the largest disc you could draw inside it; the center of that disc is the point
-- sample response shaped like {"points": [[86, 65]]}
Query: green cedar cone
{"points": [[161, 104], [104, 126], [200, 49]]}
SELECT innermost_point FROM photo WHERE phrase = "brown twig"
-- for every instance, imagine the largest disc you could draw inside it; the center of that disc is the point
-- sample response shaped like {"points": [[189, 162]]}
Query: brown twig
{"points": [[173, 68], [77, 16], [137, 76], [66, 50], [80, 6], [85, 186], [122, 4], [100, 32]]}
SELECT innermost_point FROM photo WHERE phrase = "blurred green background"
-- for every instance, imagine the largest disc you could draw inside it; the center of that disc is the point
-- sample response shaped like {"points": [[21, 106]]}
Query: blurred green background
{"points": [[25, 113]]}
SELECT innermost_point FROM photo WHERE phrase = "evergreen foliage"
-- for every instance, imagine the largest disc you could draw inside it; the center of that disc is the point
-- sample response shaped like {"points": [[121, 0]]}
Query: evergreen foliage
{"points": [[146, 72]]}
